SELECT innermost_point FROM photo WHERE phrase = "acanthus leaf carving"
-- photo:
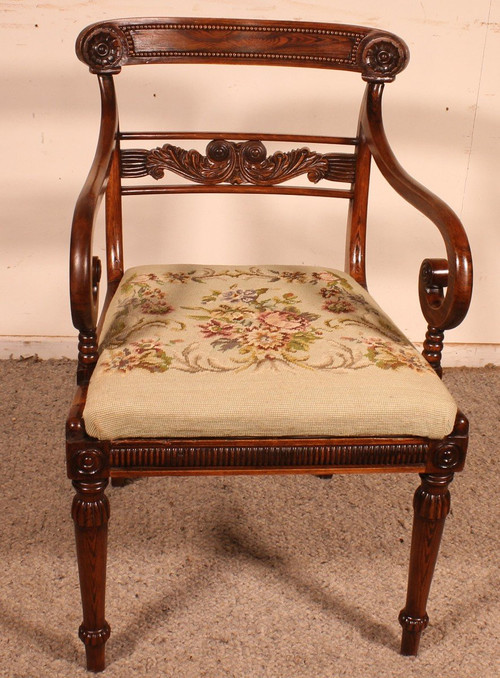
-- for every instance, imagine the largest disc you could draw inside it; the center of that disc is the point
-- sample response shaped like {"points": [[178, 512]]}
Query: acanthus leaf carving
{"points": [[238, 163]]}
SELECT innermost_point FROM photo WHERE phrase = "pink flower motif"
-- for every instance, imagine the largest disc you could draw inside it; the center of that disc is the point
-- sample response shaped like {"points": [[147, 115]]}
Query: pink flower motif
{"points": [[284, 320], [326, 276]]}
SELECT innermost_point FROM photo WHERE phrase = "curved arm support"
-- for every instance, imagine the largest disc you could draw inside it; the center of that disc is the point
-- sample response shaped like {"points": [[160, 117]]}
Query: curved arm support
{"points": [[441, 310], [84, 269]]}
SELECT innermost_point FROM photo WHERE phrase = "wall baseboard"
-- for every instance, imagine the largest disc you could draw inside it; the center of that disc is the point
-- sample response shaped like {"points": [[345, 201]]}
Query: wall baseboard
{"points": [[43, 347], [16, 347], [469, 355]]}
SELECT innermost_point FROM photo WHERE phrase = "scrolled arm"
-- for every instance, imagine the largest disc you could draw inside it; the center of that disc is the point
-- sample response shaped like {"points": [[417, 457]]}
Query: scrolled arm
{"points": [[84, 268], [442, 310]]}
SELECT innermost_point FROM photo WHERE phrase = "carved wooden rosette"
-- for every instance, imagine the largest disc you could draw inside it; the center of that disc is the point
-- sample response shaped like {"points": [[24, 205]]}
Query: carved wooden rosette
{"points": [[103, 49], [88, 461], [382, 57], [238, 163]]}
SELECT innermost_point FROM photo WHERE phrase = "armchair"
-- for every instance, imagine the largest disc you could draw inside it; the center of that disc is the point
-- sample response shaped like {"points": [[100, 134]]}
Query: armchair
{"points": [[251, 369]]}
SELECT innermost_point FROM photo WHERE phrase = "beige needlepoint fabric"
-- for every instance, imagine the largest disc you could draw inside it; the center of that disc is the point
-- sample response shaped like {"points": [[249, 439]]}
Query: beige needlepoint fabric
{"points": [[257, 351]]}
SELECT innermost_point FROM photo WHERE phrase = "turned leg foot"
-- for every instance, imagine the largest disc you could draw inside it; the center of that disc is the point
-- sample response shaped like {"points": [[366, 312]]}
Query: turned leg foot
{"points": [[90, 514], [431, 506]]}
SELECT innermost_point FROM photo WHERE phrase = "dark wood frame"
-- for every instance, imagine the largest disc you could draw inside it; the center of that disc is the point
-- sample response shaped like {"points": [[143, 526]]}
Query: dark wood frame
{"points": [[444, 284]]}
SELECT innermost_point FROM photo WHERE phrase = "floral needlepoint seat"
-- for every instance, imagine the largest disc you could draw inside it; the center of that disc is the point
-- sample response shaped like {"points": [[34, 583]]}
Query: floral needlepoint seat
{"points": [[257, 350]]}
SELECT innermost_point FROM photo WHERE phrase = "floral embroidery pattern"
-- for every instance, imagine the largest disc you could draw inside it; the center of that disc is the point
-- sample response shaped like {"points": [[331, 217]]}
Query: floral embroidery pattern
{"points": [[148, 354], [258, 327], [249, 319]]}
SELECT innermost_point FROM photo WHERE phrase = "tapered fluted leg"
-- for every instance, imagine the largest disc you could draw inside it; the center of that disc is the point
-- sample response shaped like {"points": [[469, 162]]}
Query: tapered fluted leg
{"points": [[431, 506], [91, 513]]}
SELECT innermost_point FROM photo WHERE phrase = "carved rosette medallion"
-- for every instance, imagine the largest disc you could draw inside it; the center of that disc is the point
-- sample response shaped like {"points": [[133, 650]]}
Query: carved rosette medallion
{"points": [[382, 58], [89, 462], [103, 50], [448, 456]]}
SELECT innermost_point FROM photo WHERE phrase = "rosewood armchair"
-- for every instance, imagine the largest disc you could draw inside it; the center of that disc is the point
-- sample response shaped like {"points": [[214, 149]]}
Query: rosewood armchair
{"points": [[198, 369]]}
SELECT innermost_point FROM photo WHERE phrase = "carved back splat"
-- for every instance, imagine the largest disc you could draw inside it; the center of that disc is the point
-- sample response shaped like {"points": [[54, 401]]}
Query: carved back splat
{"points": [[238, 163]]}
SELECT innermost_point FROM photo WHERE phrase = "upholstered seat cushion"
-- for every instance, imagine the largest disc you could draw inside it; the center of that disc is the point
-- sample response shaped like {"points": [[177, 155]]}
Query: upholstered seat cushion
{"points": [[257, 351]]}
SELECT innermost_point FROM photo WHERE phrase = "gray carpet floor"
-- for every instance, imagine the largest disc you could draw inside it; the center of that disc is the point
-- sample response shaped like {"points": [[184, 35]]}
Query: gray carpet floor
{"points": [[276, 577]]}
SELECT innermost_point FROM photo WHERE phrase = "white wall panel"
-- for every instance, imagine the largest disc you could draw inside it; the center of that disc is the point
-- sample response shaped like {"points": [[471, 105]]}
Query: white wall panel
{"points": [[442, 118]]}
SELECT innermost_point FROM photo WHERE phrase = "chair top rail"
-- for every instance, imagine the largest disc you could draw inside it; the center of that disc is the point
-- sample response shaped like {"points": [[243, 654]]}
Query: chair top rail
{"points": [[107, 46]]}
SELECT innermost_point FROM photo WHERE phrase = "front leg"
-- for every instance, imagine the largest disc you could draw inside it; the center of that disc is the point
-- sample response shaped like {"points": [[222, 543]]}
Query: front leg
{"points": [[431, 506], [90, 513]]}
